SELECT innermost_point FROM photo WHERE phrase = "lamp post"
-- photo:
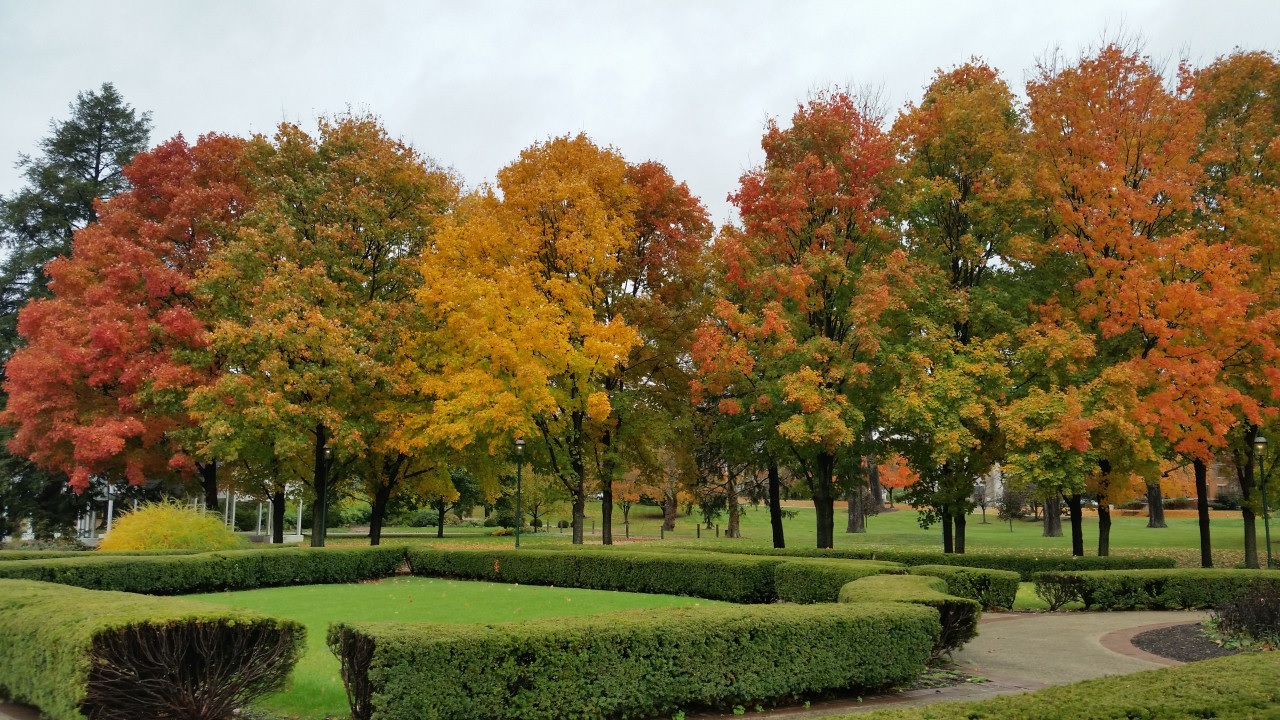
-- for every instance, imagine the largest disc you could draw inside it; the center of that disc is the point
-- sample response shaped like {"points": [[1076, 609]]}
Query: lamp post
{"points": [[519, 463], [1259, 447]]}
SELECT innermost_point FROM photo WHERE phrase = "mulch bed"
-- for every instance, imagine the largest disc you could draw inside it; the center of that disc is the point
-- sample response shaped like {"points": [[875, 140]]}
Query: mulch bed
{"points": [[1185, 643]]}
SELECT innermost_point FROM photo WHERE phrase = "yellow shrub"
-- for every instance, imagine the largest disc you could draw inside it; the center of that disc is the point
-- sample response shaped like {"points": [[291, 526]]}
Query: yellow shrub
{"points": [[168, 525]]}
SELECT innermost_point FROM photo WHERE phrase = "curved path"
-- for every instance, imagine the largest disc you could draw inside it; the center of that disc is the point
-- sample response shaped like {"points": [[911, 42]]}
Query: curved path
{"points": [[1015, 652], [1020, 652]]}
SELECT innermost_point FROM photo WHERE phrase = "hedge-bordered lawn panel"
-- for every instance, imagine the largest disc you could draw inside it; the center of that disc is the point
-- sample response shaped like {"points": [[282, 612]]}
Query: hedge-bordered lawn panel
{"points": [[315, 689], [628, 665], [74, 652]]}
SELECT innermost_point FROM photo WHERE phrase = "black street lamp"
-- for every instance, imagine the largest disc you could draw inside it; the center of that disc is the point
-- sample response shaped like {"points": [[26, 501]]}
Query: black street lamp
{"points": [[519, 463], [1259, 447]]}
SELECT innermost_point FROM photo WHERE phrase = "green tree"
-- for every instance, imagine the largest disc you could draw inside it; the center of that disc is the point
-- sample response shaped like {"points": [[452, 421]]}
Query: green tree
{"points": [[968, 213]]}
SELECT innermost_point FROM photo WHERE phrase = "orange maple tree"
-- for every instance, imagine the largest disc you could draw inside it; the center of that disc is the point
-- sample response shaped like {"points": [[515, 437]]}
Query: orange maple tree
{"points": [[810, 271], [97, 390]]}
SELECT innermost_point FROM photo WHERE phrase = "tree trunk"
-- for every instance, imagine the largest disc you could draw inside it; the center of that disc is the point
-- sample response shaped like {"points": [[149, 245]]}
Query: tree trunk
{"points": [[857, 519], [962, 520], [441, 509], [606, 490], [277, 516], [734, 528], [823, 501], [1246, 469], [381, 496], [775, 504], [1202, 511], [670, 505], [1104, 529], [320, 506], [1052, 517], [209, 482], [1074, 501], [1155, 506], [948, 533], [873, 482]]}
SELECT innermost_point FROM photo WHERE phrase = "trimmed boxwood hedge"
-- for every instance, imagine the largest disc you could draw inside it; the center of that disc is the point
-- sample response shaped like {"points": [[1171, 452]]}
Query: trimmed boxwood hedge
{"points": [[211, 572], [1025, 565], [11, 555], [1241, 687], [75, 653], [958, 616], [1184, 589], [740, 579], [993, 589], [819, 581], [630, 664]]}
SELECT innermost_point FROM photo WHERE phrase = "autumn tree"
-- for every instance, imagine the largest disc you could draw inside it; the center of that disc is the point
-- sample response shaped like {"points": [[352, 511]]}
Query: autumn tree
{"points": [[514, 288], [310, 294], [78, 163], [98, 388], [658, 287], [968, 212], [1238, 96], [814, 264], [1165, 308]]}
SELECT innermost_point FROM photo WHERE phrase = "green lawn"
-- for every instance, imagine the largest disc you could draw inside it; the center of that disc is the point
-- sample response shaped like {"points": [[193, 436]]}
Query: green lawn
{"points": [[316, 689], [1129, 535]]}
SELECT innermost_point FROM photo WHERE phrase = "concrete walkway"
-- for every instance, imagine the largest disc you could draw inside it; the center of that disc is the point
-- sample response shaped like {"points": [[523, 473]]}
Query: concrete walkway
{"points": [[1020, 652], [1015, 652]]}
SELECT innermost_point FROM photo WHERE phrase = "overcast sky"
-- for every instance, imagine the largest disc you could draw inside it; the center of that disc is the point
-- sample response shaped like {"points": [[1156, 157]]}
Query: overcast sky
{"points": [[689, 84]]}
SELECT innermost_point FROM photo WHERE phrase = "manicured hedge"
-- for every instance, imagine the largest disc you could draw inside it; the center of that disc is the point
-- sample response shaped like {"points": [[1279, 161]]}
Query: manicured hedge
{"points": [[958, 616], [75, 653], [819, 581], [11, 555], [1026, 565], [1241, 687], [740, 579], [1154, 589], [633, 664], [993, 589], [211, 572]]}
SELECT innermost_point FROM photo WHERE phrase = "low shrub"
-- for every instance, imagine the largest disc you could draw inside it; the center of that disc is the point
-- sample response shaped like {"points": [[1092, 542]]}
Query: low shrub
{"points": [[993, 589], [1242, 687], [80, 653], [630, 664], [1059, 589], [1253, 617], [957, 616], [1026, 565], [169, 525], [819, 581], [1154, 589], [1179, 503], [211, 572], [741, 579]]}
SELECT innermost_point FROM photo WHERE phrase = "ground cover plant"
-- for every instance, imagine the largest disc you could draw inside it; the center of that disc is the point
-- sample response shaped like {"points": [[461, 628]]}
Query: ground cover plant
{"points": [[316, 687], [1241, 687]]}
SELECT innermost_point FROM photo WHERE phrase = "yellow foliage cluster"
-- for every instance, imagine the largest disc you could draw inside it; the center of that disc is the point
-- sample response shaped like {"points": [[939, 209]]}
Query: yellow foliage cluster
{"points": [[169, 525]]}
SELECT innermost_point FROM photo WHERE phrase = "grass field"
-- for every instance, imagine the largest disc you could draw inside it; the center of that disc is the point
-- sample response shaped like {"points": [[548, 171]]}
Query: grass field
{"points": [[316, 688], [1129, 534]]}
